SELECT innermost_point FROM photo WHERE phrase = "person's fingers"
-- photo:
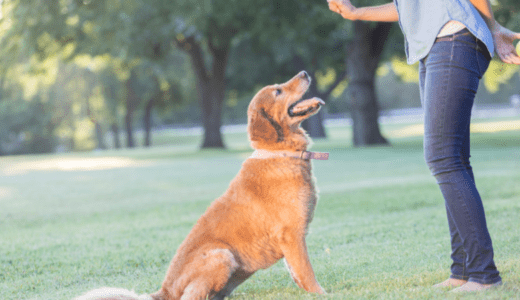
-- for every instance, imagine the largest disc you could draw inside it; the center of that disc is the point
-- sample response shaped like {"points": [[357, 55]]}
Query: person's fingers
{"points": [[501, 54], [502, 58], [514, 58], [333, 5], [336, 10], [509, 57]]}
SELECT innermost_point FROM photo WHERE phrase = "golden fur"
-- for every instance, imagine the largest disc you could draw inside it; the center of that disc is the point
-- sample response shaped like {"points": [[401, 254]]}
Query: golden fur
{"points": [[261, 218]]}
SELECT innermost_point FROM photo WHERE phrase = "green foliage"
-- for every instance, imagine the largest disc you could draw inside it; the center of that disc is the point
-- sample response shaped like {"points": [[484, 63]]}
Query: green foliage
{"points": [[498, 73], [42, 40], [25, 128], [507, 13], [406, 72], [80, 53]]}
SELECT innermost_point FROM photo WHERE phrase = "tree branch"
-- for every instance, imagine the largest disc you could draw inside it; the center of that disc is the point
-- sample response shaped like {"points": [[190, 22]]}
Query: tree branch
{"points": [[378, 37], [194, 50]]}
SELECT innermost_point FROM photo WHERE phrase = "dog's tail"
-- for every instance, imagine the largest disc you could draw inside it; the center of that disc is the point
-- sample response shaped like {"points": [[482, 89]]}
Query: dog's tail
{"points": [[107, 293]]}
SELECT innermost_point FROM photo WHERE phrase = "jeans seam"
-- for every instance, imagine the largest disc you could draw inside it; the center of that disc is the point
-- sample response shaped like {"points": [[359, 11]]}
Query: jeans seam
{"points": [[447, 74], [464, 262], [477, 58], [460, 198]]}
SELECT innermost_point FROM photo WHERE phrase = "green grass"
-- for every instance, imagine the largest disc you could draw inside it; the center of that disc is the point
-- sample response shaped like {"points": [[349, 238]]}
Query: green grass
{"points": [[379, 232]]}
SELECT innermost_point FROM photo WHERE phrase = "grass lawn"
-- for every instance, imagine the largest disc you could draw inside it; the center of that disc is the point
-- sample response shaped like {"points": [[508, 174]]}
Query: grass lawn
{"points": [[73, 222]]}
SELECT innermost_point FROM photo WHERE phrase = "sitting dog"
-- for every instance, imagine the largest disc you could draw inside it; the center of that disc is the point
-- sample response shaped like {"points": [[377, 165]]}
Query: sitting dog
{"points": [[264, 214]]}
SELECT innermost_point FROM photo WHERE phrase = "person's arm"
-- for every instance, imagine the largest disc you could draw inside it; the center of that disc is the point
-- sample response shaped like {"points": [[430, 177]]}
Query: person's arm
{"points": [[484, 8], [503, 38], [380, 13]]}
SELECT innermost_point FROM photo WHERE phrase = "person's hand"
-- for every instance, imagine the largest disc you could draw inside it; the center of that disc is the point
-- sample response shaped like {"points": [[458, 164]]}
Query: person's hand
{"points": [[344, 8], [505, 49]]}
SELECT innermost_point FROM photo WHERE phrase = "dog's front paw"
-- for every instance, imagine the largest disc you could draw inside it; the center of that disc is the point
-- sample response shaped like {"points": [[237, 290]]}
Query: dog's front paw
{"points": [[317, 289], [321, 291]]}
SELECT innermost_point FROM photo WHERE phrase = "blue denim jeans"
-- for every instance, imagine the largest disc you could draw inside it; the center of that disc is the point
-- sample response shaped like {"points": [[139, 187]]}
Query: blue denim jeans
{"points": [[449, 78]]}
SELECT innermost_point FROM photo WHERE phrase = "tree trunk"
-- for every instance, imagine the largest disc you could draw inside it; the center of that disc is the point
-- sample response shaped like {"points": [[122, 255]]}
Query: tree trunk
{"points": [[314, 126], [128, 126], [148, 122], [115, 133], [210, 86], [212, 102], [362, 63], [365, 113], [97, 127], [131, 102], [100, 137], [212, 111]]}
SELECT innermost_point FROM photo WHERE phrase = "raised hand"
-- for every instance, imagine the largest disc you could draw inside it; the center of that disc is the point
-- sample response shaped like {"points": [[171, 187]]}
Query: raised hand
{"points": [[505, 49], [344, 8]]}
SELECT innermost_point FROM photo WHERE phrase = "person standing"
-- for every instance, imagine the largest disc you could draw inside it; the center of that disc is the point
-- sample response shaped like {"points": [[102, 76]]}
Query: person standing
{"points": [[453, 41]]}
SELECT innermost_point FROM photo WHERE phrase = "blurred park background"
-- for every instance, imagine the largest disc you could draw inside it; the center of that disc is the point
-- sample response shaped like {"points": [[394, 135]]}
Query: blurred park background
{"points": [[117, 97], [79, 75]]}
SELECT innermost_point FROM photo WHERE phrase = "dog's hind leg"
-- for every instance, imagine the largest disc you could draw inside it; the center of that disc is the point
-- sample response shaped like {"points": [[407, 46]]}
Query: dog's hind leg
{"points": [[207, 275], [236, 279], [196, 290]]}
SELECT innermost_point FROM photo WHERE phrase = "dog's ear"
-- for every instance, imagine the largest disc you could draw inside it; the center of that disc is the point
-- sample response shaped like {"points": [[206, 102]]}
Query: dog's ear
{"points": [[262, 127]]}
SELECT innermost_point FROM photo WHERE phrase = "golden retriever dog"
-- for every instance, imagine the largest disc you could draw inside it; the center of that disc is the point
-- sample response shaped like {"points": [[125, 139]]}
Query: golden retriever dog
{"points": [[264, 214]]}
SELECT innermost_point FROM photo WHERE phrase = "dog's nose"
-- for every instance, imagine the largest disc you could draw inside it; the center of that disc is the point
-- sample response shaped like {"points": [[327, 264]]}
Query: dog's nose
{"points": [[304, 75]]}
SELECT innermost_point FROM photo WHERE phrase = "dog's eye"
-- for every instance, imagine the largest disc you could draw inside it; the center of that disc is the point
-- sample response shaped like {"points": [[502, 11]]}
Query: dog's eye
{"points": [[277, 92]]}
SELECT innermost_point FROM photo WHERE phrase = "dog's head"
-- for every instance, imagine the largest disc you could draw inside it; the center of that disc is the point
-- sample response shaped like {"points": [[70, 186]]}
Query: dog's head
{"points": [[276, 112]]}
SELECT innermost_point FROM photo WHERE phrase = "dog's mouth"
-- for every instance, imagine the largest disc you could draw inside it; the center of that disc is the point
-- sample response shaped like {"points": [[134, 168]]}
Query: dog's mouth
{"points": [[304, 107]]}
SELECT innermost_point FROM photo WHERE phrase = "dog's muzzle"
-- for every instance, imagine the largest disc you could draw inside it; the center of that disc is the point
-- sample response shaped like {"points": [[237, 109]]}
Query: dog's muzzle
{"points": [[304, 107]]}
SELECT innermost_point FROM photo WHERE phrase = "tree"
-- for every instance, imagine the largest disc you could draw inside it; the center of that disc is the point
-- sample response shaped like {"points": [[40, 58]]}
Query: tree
{"points": [[243, 44], [37, 36], [231, 45], [364, 53], [362, 62], [308, 36], [112, 89], [284, 38], [207, 36], [210, 83], [139, 35]]}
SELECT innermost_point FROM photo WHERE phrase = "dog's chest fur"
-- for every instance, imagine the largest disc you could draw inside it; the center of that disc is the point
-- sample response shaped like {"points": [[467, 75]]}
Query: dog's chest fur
{"points": [[274, 194], [284, 184]]}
